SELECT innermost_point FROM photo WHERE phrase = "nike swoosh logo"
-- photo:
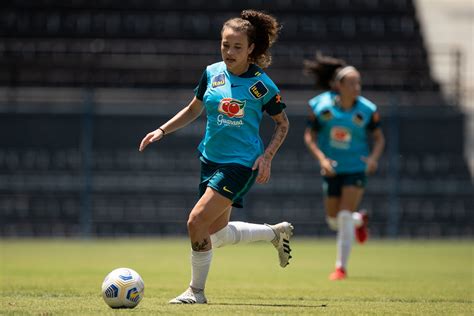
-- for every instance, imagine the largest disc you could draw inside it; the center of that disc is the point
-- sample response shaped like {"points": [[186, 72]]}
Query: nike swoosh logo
{"points": [[227, 190]]}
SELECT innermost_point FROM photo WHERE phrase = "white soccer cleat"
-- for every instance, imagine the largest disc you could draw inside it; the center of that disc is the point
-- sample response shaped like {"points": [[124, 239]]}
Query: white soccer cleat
{"points": [[190, 296], [283, 232]]}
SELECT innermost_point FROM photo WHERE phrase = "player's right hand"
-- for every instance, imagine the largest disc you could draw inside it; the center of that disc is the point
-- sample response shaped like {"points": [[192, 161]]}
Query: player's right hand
{"points": [[151, 137], [327, 169]]}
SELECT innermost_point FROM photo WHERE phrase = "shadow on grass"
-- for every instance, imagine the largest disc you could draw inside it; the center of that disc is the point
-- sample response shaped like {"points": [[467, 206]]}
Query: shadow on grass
{"points": [[268, 305]]}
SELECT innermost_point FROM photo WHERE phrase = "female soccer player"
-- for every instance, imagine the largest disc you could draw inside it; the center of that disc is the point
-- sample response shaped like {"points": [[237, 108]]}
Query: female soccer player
{"points": [[234, 93], [337, 136]]}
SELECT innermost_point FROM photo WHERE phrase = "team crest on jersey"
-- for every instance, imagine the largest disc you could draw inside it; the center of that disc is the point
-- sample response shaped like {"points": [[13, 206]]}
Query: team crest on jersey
{"points": [[326, 115], [218, 80], [232, 107], [358, 119], [258, 90]]}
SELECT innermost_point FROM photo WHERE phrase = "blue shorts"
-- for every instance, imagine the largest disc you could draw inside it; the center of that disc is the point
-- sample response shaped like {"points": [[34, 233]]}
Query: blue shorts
{"points": [[332, 186], [231, 180]]}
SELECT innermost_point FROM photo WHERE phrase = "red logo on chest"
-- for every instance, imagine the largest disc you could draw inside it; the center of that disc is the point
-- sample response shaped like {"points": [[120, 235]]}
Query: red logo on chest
{"points": [[232, 107]]}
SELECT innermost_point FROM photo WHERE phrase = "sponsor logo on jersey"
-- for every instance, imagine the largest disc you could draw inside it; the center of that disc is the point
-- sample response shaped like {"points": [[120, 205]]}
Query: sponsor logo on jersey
{"points": [[232, 107], [221, 120], [258, 90], [340, 137], [218, 80]]}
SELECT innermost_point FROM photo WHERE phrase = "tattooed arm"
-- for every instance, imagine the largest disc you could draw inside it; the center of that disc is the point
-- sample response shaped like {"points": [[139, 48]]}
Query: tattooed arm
{"points": [[264, 162]]}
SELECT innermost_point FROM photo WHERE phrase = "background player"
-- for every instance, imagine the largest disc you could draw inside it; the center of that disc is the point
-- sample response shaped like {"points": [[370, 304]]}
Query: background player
{"points": [[234, 93], [337, 136]]}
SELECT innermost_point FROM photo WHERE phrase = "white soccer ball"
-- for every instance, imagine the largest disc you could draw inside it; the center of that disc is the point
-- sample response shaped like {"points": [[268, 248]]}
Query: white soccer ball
{"points": [[123, 288]]}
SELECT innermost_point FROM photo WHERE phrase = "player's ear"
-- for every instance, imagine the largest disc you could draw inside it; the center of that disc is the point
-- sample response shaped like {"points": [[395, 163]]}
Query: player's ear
{"points": [[336, 85], [250, 49]]}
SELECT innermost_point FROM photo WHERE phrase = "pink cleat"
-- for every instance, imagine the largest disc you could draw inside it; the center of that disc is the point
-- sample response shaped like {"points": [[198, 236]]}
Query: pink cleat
{"points": [[362, 232], [338, 274]]}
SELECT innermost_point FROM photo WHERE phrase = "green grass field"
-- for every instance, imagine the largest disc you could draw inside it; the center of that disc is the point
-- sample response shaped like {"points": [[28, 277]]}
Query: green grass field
{"points": [[58, 277]]}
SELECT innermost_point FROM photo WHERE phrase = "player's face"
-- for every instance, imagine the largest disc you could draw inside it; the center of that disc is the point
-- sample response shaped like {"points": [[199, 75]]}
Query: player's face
{"points": [[350, 85], [235, 50]]}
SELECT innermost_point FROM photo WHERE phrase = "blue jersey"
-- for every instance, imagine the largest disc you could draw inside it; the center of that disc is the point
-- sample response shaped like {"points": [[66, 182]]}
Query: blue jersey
{"points": [[342, 135], [234, 107]]}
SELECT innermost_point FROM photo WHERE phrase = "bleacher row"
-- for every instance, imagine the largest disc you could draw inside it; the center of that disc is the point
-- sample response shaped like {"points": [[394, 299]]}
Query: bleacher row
{"points": [[150, 71], [169, 24], [384, 54], [16, 162], [148, 208], [23, 214], [218, 6]]}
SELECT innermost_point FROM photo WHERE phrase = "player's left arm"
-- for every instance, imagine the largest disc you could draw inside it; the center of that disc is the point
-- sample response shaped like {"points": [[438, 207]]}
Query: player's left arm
{"points": [[378, 144], [264, 162], [377, 150]]}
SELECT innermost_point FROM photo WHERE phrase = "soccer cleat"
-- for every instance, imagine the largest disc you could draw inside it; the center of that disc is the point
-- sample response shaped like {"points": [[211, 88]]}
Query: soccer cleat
{"points": [[362, 232], [190, 296], [283, 232], [338, 274]]}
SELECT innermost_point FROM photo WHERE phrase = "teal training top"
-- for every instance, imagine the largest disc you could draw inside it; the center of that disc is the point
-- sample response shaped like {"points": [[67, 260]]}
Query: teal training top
{"points": [[342, 135], [234, 107]]}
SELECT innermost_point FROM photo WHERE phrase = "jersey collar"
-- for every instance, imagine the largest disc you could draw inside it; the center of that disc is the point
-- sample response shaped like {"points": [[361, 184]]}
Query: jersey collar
{"points": [[252, 71]]}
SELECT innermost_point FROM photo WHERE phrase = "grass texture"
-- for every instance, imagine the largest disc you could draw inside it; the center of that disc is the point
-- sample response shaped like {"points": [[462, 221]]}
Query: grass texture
{"points": [[63, 277]]}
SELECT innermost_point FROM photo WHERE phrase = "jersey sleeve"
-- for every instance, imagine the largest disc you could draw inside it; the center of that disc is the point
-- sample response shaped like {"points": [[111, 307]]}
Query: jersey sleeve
{"points": [[274, 106], [272, 103], [201, 87], [374, 122]]}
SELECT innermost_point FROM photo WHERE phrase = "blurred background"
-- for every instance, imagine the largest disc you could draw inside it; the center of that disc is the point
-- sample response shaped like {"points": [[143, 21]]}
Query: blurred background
{"points": [[81, 82]]}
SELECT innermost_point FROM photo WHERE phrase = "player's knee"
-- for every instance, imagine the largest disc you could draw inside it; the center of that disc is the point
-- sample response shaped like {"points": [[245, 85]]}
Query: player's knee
{"points": [[195, 223]]}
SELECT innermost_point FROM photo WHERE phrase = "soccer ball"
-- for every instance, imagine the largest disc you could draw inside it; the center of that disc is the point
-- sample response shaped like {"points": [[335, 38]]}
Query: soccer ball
{"points": [[123, 288]]}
